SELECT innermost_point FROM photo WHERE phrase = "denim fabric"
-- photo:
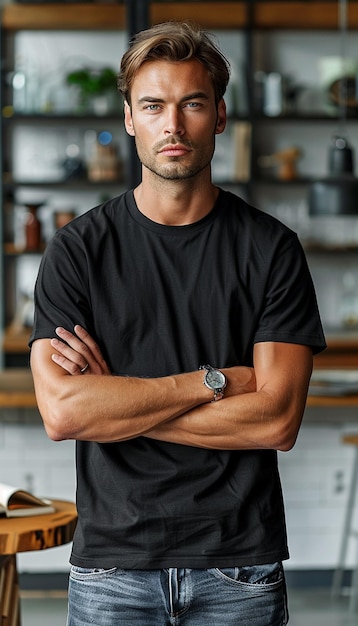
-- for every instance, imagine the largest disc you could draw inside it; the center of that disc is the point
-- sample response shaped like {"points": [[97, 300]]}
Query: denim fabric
{"points": [[246, 596]]}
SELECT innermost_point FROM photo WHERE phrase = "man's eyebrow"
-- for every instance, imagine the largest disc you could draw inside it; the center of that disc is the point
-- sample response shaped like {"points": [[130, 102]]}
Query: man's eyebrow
{"points": [[192, 96], [196, 95], [149, 99]]}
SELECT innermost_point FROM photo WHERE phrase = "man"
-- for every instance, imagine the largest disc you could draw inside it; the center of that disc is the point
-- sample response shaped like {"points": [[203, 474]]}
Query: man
{"points": [[181, 518]]}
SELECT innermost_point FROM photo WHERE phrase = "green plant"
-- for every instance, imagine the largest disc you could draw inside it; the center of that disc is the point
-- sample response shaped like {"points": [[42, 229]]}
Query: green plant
{"points": [[92, 82]]}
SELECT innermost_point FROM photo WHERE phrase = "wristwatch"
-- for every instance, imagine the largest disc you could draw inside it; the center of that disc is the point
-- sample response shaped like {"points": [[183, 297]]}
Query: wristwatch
{"points": [[215, 380]]}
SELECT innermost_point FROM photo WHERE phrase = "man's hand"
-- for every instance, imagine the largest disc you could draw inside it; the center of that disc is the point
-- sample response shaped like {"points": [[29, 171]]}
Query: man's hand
{"points": [[103, 407], [78, 353], [262, 406]]}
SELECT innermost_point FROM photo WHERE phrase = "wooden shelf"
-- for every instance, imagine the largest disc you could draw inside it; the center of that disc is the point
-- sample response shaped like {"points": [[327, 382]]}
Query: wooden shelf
{"points": [[63, 16], [332, 401], [9, 116], [102, 16], [218, 15], [15, 341], [17, 389], [11, 250], [16, 385], [302, 15], [341, 352], [212, 15], [73, 183], [321, 248]]}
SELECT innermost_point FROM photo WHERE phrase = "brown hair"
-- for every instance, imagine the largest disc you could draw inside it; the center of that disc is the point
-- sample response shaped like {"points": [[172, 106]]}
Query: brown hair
{"points": [[174, 41]]}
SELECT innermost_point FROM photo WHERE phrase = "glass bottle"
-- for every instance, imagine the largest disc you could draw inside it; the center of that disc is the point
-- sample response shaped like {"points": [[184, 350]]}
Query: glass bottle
{"points": [[32, 228]]}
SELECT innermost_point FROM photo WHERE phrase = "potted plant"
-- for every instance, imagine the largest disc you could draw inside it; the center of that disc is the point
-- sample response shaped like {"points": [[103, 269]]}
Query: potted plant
{"points": [[96, 86]]}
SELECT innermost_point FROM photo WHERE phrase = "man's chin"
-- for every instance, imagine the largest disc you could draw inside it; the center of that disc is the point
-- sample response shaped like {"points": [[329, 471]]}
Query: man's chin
{"points": [[175, 173]]}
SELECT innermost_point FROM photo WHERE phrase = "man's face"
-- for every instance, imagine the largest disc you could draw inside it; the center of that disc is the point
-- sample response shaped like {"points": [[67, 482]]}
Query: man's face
{"points": [[173, 118]]}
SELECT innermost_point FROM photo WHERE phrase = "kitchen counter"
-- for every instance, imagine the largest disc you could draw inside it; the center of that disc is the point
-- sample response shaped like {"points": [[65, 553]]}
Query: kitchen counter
{"points": [[17, 390]]}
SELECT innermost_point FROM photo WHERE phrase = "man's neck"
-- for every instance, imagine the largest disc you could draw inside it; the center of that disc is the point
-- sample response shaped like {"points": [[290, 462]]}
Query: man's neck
{"points": [[175, 203]]}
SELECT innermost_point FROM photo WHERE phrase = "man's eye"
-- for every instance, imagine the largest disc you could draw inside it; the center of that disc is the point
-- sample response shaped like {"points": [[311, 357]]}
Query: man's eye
{"points": [[193, 105], [152, 107]]}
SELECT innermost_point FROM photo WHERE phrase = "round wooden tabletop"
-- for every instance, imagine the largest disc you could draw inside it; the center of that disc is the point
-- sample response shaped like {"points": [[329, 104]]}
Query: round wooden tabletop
{"points": [[38, 532]]}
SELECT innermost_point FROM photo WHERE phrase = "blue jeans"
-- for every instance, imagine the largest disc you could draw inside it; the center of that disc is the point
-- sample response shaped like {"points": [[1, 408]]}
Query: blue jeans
{"points": [[245, 596]]}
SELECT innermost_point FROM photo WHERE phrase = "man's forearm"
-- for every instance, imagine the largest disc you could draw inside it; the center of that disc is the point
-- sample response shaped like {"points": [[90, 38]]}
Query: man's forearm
{"points": [[247, 422], [113, 408], [104, 408], [227, 424], [262, 407], [265, 413]]}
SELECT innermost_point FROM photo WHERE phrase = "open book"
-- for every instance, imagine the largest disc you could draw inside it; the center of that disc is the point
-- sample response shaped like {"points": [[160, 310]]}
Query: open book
{"points": [[19, 503]]}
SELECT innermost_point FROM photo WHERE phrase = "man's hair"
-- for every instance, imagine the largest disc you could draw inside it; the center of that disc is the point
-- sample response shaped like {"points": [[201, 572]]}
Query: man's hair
{"points": [[174, 41]]}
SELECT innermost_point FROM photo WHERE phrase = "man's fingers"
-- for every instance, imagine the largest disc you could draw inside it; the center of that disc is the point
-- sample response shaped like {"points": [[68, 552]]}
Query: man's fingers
{"points": [[69, 366], [74, 343], [69, 359], [84, 335], [93, 346], [80, 351]]}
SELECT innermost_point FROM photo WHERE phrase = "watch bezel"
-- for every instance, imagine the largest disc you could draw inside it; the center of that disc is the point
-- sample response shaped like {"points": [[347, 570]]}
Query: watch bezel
{"points": [[211, 379], [217, 388]]}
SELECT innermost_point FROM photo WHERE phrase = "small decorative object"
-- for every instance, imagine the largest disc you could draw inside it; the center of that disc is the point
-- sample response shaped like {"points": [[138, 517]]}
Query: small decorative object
{"points": [[274, 94], [72, 165], [105, 166], [63, 217], [32, 228], [242, 132], [94, 83], [336, 193], [285, 160], [339, 81], [344, 91]]}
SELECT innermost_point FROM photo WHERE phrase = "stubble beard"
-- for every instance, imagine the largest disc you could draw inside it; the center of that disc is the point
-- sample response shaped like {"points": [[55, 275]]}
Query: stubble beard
{"points": [[174, 169]]}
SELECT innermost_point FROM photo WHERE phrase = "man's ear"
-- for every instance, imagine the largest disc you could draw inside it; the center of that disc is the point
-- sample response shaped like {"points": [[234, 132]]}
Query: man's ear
{"points": [[221, 117], [128, 122]]}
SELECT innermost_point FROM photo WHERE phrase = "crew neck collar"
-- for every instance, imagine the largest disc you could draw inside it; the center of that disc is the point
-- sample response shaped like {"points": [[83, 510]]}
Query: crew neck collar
{"points": [[146, 222]]}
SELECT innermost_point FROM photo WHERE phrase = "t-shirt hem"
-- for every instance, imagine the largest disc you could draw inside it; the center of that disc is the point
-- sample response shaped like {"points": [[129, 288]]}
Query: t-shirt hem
{"points": [[145, 562], [317, 344]]}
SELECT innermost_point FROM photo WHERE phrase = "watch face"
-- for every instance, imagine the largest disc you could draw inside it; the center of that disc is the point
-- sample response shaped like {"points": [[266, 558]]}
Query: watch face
{"points": [[215, 379]]}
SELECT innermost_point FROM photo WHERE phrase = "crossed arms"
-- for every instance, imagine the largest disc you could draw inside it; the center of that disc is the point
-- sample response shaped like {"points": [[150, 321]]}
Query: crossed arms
{"points": [[262, 408]]}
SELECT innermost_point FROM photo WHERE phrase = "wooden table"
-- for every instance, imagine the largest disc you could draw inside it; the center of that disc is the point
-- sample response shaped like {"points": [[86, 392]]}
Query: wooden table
{"points": [[24, 534]]}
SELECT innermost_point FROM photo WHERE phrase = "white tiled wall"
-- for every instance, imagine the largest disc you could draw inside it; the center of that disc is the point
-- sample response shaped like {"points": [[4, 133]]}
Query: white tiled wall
{"points": [[315, 477]]}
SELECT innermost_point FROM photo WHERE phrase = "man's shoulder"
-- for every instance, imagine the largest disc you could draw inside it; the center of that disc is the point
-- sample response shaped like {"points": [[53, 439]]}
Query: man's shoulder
{"points": [[248, 216], [98, 216], [109, 208], [91, 229]]}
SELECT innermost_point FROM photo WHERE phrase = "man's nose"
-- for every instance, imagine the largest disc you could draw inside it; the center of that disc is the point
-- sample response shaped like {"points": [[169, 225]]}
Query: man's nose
{"points": [[174, 122]]}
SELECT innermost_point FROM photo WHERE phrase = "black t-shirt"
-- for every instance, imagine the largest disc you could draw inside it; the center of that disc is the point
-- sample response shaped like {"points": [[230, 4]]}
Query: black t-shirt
{"points": [[162, 300]]}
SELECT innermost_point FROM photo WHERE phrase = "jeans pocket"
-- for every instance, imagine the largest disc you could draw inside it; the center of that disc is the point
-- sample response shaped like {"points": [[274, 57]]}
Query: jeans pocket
{"points": [[90, 573], [268, 576]]}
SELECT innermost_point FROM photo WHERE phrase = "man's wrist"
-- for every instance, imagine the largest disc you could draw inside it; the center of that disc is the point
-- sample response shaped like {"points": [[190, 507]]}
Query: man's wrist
{"points": [[215, 380]]}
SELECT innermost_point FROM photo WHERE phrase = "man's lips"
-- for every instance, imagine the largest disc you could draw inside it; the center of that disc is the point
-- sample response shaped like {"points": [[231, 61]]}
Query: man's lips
{"points": [[174, 150]]}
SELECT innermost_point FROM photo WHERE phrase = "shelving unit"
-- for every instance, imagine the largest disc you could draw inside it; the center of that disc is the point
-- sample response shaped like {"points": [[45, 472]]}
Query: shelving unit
{"points": [[57, 18], [253, 19], [306, 31]]}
